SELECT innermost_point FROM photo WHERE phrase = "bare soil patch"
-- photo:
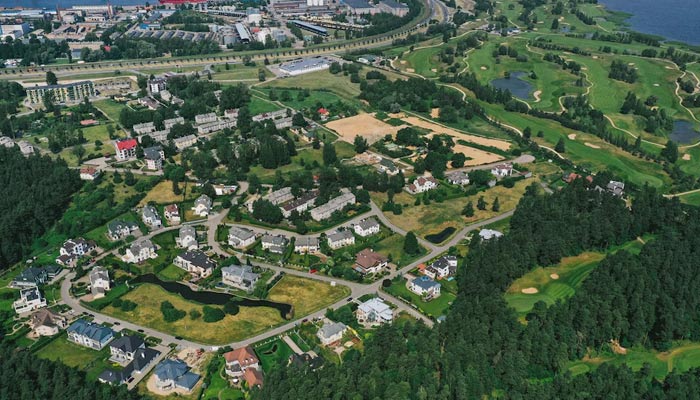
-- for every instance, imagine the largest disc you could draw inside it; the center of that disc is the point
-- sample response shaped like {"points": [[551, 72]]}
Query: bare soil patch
{"points": [[478, 157], [499, 144], [435, 113], [365, 125]]}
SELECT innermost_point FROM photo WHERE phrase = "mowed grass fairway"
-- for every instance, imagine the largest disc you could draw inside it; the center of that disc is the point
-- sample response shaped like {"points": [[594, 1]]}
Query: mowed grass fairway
{"points": [[306, 295], [248, 322]]}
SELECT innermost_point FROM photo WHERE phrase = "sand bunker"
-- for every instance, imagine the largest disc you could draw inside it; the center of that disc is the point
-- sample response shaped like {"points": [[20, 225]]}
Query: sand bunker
{"points": [[433, 69], [630, 63], [686, 157], [483, 68], [403, 61], [410, 70], [594, 57], [530, 290], [554, 276], [591, 145], [656, 84], [537, 96], [572, 136]]}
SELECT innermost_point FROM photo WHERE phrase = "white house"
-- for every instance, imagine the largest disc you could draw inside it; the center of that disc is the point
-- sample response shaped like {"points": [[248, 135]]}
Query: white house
{"points": [[341, 239], [99, 282], [374, 312], [140, 251], [124, 349], [202, 205], [29, 299], [187, 238], [204, 118], [89, 173], [331, 333], [76, 247], [424, 286], [488, 234], [240, 237], [442, 267], [458, 178], [325, 211], [306, 244], [125, 149], [172, 213], [118, 229], [280, 196], [241, 277], [274, 243], [422, 184], [367, 227], [502, 170], [89, 334], [223, 190], [150, 217], [154, 157]]}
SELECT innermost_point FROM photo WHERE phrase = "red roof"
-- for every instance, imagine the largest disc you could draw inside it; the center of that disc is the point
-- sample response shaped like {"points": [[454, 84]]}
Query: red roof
{"points": [[126, 144], [88, 170], [322, 111], [87, 122]]}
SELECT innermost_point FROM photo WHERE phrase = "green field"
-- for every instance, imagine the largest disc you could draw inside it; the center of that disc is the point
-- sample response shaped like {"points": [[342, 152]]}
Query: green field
{"points": [[322, 80], [110, 108], [219, 387], [91, 361], [306, 295]]}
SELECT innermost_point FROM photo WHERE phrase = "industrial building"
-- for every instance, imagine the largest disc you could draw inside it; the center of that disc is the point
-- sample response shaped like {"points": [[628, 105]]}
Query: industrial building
{"points": [[310, 27], [305, 65]]}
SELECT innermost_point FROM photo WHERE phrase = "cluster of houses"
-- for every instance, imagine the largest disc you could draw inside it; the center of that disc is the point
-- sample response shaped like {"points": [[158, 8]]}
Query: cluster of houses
{"points": [[615, 188], [288, 203], [131, 353], [426, 285]]}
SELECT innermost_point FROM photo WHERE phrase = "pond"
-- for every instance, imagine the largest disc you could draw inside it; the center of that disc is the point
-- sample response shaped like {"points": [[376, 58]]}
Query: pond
{"points": [[519, 87], [440, 236], [213, 298], [684, 132]]}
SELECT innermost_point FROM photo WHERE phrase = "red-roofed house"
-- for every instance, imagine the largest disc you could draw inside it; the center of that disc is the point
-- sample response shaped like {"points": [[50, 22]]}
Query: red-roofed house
{"points": [[369, 262], [240, 360], [88, 122], [89, 173], [126, 149], [253, 377], [323, 113]]}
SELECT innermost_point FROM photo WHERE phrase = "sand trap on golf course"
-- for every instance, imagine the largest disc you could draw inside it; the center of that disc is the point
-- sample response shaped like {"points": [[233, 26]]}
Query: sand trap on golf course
{"points": [[483, 68], [572, 136], [530, 290], [686, 157], [537, 96], [554, 276], [591, 145], [410, 70]]}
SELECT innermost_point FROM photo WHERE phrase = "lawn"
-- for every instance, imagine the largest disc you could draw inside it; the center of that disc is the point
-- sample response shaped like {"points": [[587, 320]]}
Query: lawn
{"points": [[433, 308], [273, 353], [691, 198], [237, 72], [322, 80], [248, 322], [392, 246], [110, 108], [91, 361], [325, 98], [172, 273], [220, 389], [308, 156], [259, 105], [162, 193], [306, 295]]}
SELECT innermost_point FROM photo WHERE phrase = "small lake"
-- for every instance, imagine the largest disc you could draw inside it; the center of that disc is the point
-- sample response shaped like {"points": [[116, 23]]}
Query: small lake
{"points": [[684, 132], [520, 88], [213, 298], [441, 236]]}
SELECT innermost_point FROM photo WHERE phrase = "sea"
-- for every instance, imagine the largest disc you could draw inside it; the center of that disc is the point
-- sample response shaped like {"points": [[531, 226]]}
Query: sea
{"points": [[677, 20]]}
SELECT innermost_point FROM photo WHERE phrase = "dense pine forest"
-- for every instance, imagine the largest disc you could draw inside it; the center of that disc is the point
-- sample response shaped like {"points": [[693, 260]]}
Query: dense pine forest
{"points": [[34, 193], [483, 350]]}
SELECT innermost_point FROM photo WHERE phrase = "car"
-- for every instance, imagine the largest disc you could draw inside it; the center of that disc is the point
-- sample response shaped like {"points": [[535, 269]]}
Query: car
{"points": [[304, 320], [349, 298], [178, 337], [140, 330], [117, 323], [313, 271]]}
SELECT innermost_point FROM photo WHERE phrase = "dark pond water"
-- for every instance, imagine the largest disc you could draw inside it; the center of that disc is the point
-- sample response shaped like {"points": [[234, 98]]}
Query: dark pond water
{"points": [[440, 236], [520, 88], [684, 133], [213, 298]]}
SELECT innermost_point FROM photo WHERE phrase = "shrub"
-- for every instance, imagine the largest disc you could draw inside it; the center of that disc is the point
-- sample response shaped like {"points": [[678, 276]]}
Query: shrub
{"points": [[231, 308], [170, 313], [212, 314]]}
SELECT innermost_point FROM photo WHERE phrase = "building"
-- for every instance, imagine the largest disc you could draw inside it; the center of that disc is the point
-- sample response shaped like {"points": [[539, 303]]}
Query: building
{"points": [[215, 126], [253, 16], [175, 374], [359, 7], [241, 277], [89, 173], [306, 244], [240, 237], [30, 277], [616, 188], [253, 377], [45, 322], [202, 206], [157, 85], [502, 170], [29, 299], [458, 178], [187, 238], [99, 282], [340, 239], [195, 262], [299, 205], [77, 247], [144, 128], [369, 262], [169, 123], [154, 157], [367, 227], [140, 251], [422, 184], [393, 7], [62, 93], [488, 234], [184, 142], [142, 358], [374, 312], [388, 166], [89, 334], [124, 349], [280, 196], [126, 149], [172, 213], [331, 333], [442, 267], [14, 31], [150, 217], [239, 360], [305, 65], [425, 286], [274, 243], [118, 229], [204, 118], [315, 29], [334, 205]]}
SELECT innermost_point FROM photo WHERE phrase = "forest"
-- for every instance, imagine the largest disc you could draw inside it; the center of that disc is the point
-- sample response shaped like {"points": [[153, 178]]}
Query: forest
{"points": [[482, 349], [34, 192]]}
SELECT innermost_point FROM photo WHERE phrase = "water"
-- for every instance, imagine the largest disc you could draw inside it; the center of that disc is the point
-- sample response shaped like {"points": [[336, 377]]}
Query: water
{"points": [[441, 236], [520, 88], [51, 4], [213, 298], [677, 20], [684, 132]]}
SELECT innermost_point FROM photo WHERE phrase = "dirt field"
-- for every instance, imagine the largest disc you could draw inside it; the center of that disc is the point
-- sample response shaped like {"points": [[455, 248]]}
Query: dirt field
{"points": [[478, 157], [499, 144], [364, 125]]}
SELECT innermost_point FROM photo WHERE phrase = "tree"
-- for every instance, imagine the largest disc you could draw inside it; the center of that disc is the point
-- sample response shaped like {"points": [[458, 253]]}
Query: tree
{"points": [[410, 244], [264, 210], [361, 144], [212, 314], [670, 152], [481, 203], [231, 308], [79, 152], [298, 119], [496, 206], [329, 155], [468, 210], [458, 160], [561, 146], [51, 78]]}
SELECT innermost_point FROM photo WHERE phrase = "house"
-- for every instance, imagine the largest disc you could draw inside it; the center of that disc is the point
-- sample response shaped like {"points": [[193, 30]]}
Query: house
{"points": [[144, 128], [119, 229], [488, 234], [458, 178], [241, 277], [77, 247], [172, 213], [337, 204], [340, 239], [274, 243], [253, 377], [30, 277], [204, 118], [123, 350], [422, 184], [312, 362], [442, 267], [231, 113], [174, 374], [331, 333], [29, 299], [67, 260], [240, 237], [502, 170], [89, 173], [299, 205], [150, 217], [202, 205], [224, 190], [169, 123], [616, 188], [388, 166], [140, 251], [157, 85], [142, 358], [89, 334], [195, 262], [126, 149], [184, 142], [239, 360], [374, 312], [306, 244], [323, 114], [154, 157], [45, 322], [425, 286], [99, 282], [280, 196], [187, 238], [369, 262], [367, 227]]}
